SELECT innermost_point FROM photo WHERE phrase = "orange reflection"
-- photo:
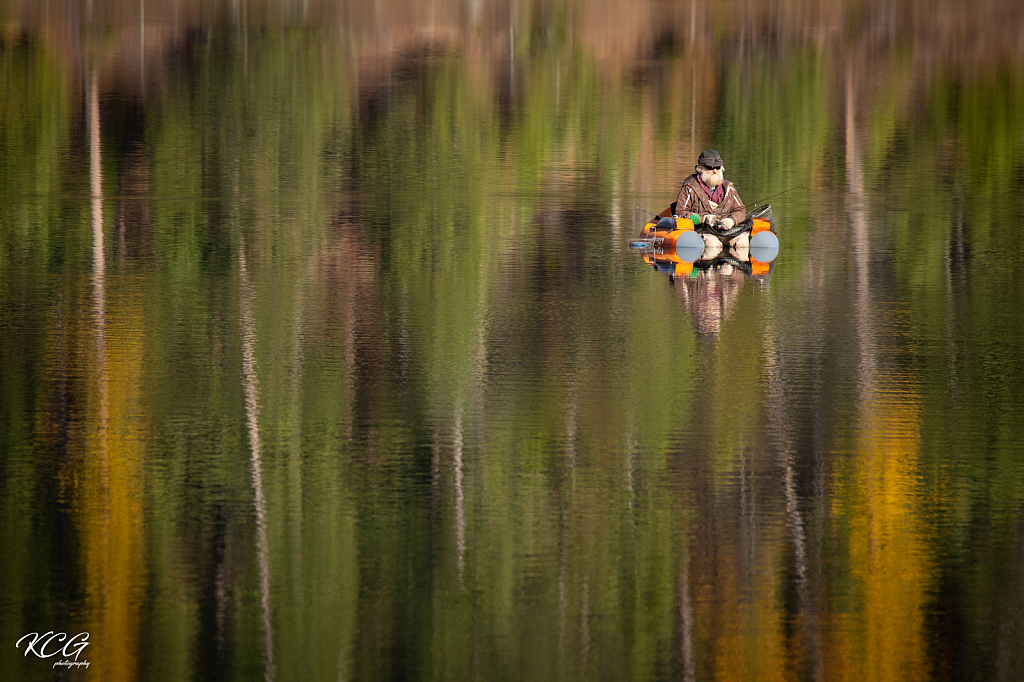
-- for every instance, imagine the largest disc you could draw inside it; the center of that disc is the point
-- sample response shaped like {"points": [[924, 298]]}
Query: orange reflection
{"points": [[749, 630]]}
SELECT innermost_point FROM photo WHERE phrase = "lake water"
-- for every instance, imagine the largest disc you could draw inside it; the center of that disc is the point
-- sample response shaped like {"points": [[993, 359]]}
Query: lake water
{"points": [[324, 354]]}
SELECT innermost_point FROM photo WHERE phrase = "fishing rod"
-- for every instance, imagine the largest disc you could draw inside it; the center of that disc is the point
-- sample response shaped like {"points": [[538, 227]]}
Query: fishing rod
{"points": [[743, 227], [646, 211], [753, 205]]}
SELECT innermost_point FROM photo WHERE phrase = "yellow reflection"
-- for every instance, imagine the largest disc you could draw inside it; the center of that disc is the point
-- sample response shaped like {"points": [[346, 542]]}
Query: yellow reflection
{"points": [[109, 501], [110, 487], [884, 639]]}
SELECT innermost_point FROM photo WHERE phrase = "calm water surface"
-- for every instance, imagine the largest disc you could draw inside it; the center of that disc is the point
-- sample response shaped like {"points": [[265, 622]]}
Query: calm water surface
{"points": [[324, 355]]}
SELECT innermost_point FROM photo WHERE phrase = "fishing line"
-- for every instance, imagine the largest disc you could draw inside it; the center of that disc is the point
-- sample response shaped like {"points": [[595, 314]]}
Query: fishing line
{"points": [[748, 207]]}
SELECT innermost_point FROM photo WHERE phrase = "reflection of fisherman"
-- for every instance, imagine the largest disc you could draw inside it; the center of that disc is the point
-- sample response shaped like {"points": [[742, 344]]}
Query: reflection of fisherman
{"points": [[710, 296], [708, 194]]}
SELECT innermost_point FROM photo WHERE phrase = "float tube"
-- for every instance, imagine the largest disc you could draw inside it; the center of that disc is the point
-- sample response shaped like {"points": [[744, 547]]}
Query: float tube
{"points": [[680, 234], [672, 232], [764, 244]]}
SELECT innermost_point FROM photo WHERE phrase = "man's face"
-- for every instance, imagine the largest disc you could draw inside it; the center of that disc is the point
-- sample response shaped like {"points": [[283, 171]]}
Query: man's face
{"points": [[712, 176]]}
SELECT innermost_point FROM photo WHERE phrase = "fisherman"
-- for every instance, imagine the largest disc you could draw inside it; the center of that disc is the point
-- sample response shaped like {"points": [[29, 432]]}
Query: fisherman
{"points": [[708, 194]]}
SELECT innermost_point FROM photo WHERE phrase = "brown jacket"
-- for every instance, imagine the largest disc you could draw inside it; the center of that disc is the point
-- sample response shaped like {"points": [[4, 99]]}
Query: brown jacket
{"points": [[693, 199]]}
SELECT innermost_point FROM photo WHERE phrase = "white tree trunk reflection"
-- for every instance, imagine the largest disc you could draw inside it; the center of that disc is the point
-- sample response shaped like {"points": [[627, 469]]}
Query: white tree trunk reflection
{"points": [[252, 414]]}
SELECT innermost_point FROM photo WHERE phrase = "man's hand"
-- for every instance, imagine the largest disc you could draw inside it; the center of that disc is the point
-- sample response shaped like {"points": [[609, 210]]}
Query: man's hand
{"points": [[710, 219], [728, 223]]}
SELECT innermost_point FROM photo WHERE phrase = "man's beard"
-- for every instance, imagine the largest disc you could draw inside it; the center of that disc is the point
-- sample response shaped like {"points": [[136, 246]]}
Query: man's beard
{"points": [[712, 179]]}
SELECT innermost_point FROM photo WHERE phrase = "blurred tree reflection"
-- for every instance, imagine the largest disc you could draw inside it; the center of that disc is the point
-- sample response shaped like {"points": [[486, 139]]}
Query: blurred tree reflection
{"points": [[473, 462]]}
